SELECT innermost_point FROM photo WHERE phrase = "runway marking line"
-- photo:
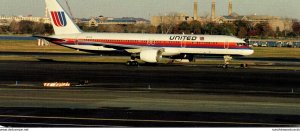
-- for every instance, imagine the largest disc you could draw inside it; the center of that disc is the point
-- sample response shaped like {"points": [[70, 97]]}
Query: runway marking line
{"points": [[136, 120], [142, 90]]}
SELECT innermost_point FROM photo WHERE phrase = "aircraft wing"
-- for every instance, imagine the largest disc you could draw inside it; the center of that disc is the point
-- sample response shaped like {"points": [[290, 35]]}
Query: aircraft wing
{"points": [[118, 46]]}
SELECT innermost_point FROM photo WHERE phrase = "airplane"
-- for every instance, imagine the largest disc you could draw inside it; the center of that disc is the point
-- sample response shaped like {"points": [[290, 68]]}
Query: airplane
{"points": [[150, 48]]}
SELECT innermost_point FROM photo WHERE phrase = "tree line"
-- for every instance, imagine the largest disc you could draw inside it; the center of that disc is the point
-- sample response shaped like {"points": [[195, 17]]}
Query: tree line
{"points": [[26, 27], [241, 29]]}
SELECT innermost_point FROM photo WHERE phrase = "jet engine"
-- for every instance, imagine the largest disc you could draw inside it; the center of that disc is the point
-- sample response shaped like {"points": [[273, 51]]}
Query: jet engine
{"points": [[151, 55]]}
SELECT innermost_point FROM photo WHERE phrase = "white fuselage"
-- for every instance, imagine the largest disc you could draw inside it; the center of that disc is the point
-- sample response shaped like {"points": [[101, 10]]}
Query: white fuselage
{"points": [[172, 44]]}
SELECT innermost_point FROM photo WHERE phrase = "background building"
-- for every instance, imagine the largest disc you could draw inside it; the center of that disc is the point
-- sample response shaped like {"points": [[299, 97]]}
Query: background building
{"points": [[277, 23], [9, 19], [172, 18], [4, 22], [96, 21]]}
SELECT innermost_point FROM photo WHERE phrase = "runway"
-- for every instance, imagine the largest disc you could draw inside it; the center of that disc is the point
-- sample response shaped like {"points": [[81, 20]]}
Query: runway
{"points": [[81, 54], [147, 96]]}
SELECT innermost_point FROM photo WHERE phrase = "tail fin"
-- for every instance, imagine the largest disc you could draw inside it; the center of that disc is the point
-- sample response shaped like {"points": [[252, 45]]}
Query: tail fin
{"points": [[61, 21]]}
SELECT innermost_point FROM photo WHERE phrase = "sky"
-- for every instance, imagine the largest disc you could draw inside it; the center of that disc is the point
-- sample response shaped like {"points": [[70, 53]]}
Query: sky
{"points": [[148, 8]]}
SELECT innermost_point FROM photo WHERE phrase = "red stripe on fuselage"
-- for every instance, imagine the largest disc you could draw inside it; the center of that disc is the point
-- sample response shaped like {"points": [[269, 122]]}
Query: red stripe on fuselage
{"points": [[159, 43]]}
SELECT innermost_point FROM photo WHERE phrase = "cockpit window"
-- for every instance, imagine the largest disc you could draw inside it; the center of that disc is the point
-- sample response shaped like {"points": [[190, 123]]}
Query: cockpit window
{"points": [[241, 44]]}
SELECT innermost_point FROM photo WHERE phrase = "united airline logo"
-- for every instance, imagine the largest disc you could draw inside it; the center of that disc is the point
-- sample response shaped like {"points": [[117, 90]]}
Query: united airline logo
{"points": [[59, 18], [191, 38]]}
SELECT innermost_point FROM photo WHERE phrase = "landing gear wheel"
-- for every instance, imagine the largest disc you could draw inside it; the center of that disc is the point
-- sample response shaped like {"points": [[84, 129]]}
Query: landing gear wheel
{"points": [[132, 63], [135, 63], [244, 65], [128, 63], [225, 66]]}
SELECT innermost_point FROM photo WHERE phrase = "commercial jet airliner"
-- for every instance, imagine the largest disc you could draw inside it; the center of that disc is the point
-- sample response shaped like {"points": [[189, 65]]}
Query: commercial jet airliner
{"points": [[149, 48]]}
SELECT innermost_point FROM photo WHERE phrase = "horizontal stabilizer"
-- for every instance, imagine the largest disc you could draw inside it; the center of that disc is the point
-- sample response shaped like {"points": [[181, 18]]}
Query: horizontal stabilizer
{"points": [[47, 38]]}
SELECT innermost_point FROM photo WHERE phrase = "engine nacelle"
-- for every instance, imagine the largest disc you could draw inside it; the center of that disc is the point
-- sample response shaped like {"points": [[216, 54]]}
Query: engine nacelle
{"points": [[151, 55]]}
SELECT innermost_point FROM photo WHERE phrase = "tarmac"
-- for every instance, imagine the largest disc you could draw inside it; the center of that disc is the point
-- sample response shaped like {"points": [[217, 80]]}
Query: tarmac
{"points": [[147, 95]]}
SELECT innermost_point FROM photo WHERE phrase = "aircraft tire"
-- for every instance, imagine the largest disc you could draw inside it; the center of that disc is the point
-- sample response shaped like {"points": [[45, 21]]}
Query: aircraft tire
{"points": [[132, 63]]}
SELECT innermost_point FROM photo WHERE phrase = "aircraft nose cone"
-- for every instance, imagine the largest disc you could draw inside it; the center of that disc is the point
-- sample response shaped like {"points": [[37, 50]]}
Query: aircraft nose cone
{"points": [[250, 52]]}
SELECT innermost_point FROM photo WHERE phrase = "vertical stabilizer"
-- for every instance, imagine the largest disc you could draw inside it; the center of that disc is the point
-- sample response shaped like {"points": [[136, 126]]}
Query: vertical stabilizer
{"points": [[60, 20]]}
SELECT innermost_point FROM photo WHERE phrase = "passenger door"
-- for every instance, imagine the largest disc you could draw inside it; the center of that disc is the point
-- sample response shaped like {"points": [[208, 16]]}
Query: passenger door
{"points": [[226, 45], [183, 44]]}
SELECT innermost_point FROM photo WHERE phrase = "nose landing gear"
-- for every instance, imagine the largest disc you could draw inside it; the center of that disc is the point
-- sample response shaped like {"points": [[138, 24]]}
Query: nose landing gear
{"points": [[227, 59]]}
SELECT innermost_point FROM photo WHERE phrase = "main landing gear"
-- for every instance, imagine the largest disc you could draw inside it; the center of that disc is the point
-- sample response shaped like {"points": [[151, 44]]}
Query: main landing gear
{"points": [[227, 59], [132, 62]]}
